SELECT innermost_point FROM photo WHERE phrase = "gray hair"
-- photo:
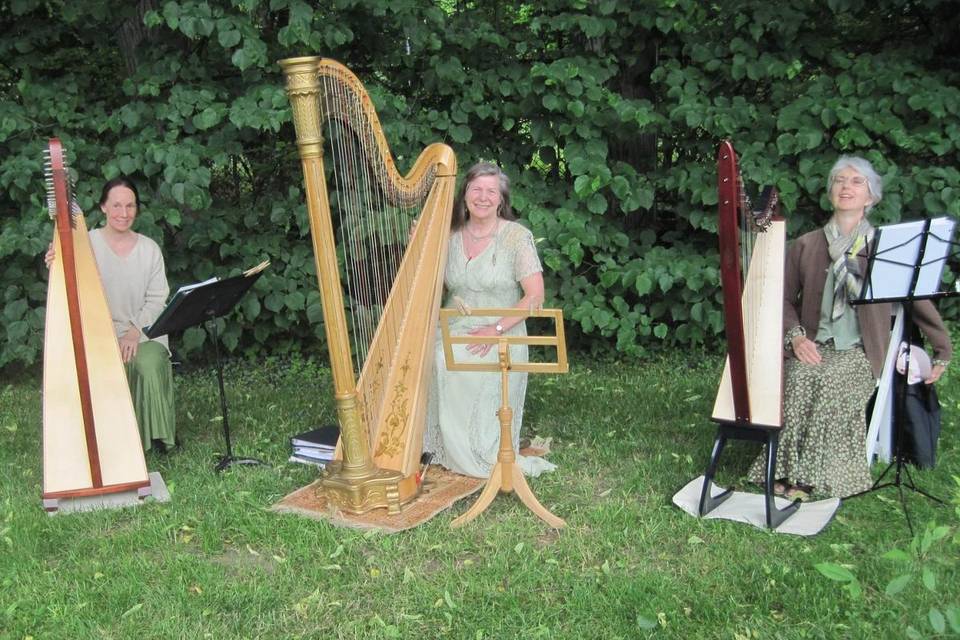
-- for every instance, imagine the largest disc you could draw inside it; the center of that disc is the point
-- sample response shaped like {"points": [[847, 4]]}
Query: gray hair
{"points": [[864, 168]]}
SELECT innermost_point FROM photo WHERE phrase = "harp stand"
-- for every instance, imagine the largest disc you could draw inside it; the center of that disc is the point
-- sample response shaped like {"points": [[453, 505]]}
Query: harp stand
{"points": [[872, 293], [746, 431], [506, 476], [201, 305]]}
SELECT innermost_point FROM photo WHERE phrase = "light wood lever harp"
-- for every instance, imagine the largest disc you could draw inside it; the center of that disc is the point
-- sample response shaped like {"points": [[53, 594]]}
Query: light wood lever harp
{"points": [[749, 404], [91, 442]]}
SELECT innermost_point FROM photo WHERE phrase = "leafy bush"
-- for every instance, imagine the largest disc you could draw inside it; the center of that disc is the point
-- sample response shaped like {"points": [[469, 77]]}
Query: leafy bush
{"points": [[605, 113]]}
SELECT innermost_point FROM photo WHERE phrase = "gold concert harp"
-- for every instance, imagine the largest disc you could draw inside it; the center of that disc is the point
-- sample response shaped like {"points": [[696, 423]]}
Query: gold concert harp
{"points": [[381, 413]]}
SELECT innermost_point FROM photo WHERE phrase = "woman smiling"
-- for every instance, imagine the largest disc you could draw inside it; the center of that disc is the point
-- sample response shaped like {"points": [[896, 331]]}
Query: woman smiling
{"points": [[835, 350]]}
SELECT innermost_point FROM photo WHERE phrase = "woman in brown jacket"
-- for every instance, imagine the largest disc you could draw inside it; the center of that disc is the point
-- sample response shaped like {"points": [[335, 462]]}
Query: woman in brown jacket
{"points": [[834, 350]]}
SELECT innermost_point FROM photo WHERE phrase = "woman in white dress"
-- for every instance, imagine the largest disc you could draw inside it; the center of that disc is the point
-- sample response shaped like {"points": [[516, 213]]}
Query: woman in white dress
{"points": [[491, 262]]}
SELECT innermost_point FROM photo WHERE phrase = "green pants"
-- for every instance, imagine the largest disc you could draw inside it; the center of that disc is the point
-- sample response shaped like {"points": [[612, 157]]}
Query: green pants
{"points": [[151, 387]]}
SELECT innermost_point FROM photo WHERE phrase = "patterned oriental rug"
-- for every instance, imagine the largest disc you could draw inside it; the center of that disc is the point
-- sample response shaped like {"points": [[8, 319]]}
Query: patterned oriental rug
{"points": [[441, 489]]}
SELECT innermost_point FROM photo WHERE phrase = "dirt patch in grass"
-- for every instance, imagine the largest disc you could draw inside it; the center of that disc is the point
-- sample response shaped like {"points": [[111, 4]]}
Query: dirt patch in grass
{"points": [[241, 561]]}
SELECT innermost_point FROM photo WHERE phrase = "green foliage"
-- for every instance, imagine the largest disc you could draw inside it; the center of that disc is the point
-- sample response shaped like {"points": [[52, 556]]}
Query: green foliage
{"points": [[606, 115], [920, 564]]}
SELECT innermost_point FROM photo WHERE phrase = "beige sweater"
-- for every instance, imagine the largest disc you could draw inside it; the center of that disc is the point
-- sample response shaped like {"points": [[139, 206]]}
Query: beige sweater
{"points": [[135, 286]]}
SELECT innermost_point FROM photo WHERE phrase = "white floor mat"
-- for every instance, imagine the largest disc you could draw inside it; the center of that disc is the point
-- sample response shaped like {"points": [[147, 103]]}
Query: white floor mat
{"points": [[808, 520]]}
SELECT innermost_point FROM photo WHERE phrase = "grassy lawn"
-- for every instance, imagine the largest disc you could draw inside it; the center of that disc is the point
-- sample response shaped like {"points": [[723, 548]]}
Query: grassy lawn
{"points": [[216, 563]]}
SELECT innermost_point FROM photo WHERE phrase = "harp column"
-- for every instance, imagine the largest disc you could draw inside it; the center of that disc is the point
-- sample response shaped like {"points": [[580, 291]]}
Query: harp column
{"points": [[354, 484]]}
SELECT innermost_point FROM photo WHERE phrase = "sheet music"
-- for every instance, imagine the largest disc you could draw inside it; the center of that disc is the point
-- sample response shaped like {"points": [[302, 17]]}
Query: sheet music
{"points": [[190, 287], [896, 256]]}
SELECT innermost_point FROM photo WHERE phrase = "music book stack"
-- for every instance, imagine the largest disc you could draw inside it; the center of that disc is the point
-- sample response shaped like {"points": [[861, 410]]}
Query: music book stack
{"points": [[316, 446]]}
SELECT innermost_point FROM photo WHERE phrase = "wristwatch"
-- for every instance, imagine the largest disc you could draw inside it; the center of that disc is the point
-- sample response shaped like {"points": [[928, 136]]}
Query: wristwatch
{"points": [[499, 329]]}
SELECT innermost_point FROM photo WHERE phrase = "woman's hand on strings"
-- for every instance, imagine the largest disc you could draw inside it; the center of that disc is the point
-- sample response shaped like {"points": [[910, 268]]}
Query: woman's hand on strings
{"points": [[129, 342], [50, 255], [806, 350]]}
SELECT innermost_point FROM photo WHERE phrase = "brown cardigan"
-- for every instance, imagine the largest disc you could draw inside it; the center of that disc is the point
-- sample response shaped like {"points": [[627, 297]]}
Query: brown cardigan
{"points": [[806, 274]]}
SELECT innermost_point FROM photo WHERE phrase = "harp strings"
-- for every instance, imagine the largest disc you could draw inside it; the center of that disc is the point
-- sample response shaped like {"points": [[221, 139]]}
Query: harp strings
{"points": [[754, 274], [747, 234], [749, 306], [373, 214]]}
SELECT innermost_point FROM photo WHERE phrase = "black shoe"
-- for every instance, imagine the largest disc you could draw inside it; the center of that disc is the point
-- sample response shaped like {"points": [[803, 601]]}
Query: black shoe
{"points": [[163, 448]]}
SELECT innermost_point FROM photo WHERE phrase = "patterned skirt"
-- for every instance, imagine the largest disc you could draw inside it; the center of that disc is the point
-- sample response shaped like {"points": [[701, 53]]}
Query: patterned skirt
{"points": [[823, 442]]}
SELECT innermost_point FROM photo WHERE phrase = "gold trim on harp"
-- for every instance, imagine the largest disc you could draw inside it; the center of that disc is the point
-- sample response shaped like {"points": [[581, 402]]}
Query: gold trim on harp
{"points": [[381, 412]]}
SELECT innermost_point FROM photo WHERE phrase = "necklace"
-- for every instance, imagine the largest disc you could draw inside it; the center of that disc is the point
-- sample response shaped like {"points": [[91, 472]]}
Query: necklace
{"points": [[477, 238]]}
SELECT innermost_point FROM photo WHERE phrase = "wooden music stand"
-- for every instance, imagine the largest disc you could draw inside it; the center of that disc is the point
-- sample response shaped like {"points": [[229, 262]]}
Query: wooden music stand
{"points": [[506, 476]]}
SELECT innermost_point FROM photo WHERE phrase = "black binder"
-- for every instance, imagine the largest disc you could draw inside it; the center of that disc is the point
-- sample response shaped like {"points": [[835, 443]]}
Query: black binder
{"points": [[193, 306]]}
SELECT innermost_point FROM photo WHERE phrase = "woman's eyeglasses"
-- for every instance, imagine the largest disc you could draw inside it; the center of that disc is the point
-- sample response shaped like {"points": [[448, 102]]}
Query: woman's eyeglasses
{"points": [[857, 181]]}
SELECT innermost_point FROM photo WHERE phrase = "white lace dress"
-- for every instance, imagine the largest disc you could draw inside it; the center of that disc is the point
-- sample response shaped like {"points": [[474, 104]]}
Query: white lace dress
{"points": [[462, 429]]}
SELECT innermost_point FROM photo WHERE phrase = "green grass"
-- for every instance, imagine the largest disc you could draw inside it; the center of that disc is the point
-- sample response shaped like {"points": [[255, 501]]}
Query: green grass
{"points": [[216, 563]]}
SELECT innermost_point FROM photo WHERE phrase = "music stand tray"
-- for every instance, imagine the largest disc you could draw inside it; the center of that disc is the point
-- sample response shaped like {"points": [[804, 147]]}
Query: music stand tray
{"points": [[906, 264], [195, 305]]}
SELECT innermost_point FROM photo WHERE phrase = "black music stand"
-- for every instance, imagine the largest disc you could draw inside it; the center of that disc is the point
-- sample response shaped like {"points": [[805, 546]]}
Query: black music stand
{"points": [[195, 306], [905, 264]]}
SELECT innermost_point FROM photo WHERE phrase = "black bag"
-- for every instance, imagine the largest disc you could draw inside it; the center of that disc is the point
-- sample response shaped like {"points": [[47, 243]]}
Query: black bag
{"points": [[921, 423]]}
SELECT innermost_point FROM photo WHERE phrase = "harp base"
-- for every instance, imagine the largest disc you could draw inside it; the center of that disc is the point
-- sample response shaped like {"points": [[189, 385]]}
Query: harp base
{"points": [[745, 431], [380, 490], [51, 499]]}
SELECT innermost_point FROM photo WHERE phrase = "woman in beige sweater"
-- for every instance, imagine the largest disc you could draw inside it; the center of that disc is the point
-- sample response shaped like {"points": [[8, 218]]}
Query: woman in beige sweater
{"points": [[135, 284]]}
